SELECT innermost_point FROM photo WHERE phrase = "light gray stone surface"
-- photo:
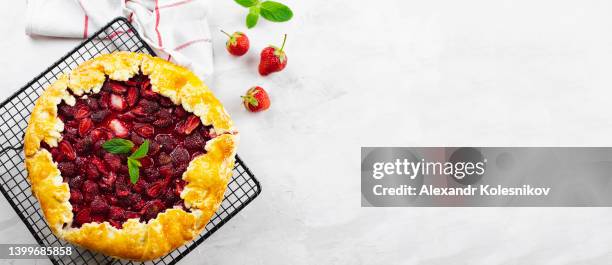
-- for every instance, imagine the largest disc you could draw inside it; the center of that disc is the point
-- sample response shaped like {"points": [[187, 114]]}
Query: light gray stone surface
{"points": [[393, 73]]}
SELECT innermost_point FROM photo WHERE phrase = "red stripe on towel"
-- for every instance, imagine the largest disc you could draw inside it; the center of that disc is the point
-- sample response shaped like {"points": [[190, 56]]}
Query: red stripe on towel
{"points": [[85, 28], [159, 39], [118, 33], [186, 44]]}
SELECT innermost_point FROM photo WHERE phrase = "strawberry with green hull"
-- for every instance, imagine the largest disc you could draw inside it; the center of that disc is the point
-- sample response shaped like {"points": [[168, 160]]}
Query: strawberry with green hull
{"points": [[237, 44], [256, 99], [273, 59]]}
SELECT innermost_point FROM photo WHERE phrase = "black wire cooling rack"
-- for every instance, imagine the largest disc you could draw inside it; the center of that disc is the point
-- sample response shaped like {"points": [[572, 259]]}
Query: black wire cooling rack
{"points": [[118, 35]]}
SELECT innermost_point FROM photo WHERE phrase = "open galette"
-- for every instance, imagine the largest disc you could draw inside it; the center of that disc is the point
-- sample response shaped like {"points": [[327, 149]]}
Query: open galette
{"points": [[129, 155]]}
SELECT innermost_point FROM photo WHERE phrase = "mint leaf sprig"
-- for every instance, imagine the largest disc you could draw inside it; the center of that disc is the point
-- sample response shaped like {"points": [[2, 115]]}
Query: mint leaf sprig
{"points": [[270, 10], [118, 146], [123, 146]]}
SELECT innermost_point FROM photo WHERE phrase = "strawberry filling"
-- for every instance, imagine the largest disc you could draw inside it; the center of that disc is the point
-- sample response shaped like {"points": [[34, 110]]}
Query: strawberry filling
{"points": [[100, 187]]}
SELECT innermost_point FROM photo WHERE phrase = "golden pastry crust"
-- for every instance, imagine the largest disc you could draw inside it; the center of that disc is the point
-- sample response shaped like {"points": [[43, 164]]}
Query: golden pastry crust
{"points": [[207, 175]]}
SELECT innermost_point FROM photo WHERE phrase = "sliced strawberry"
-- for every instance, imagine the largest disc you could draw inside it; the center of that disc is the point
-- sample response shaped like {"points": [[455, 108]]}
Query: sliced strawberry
{"points": [[99, 205], [149, 94], [80, 163], [111, 199], [85, 126], [145, 89], [196, 154], [113, 161], [162, 122], [139, 111], [148, 106], [169, 197], [116, 224], [82, 112], [180, 169], [178, 187], [145, 131], [145, 119], [99, 165], [68, 169], [128, 116], [75, 196], [124, 169], [132, 96], [191, 124], [206, 133], [116, 213], [83, 216], [146, 92], [108, 181], [140, 186], [166, 171], [90, 190], [98, 218], [155, 189], [66, 149], [153, 148], [100, 134], [83, 145], [57, 154], [138, 206], [132, 82], [152, 208], [104, 101], [92, 172], [71, 124], [122, 201], [146, 162], [151, 174], [117, 102], [166, 141], [137, 139], [164, 114], [145, 85], [136, 201], [118, 127], [180, 155], [163, 158], [180, 112], [106, 87], [131, 215], [98, 146], [195, 141], [71, 132], [117, 87], [180, 127], [121, 189]]}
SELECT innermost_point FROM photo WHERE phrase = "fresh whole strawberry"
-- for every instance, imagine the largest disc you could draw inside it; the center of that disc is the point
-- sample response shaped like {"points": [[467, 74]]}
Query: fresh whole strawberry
{"points": [[273, 59], [238, 43], [256, 99]]}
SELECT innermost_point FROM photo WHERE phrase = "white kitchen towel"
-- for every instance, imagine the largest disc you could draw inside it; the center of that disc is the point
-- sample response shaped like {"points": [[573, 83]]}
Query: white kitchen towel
{"points": [[176, 29]]}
